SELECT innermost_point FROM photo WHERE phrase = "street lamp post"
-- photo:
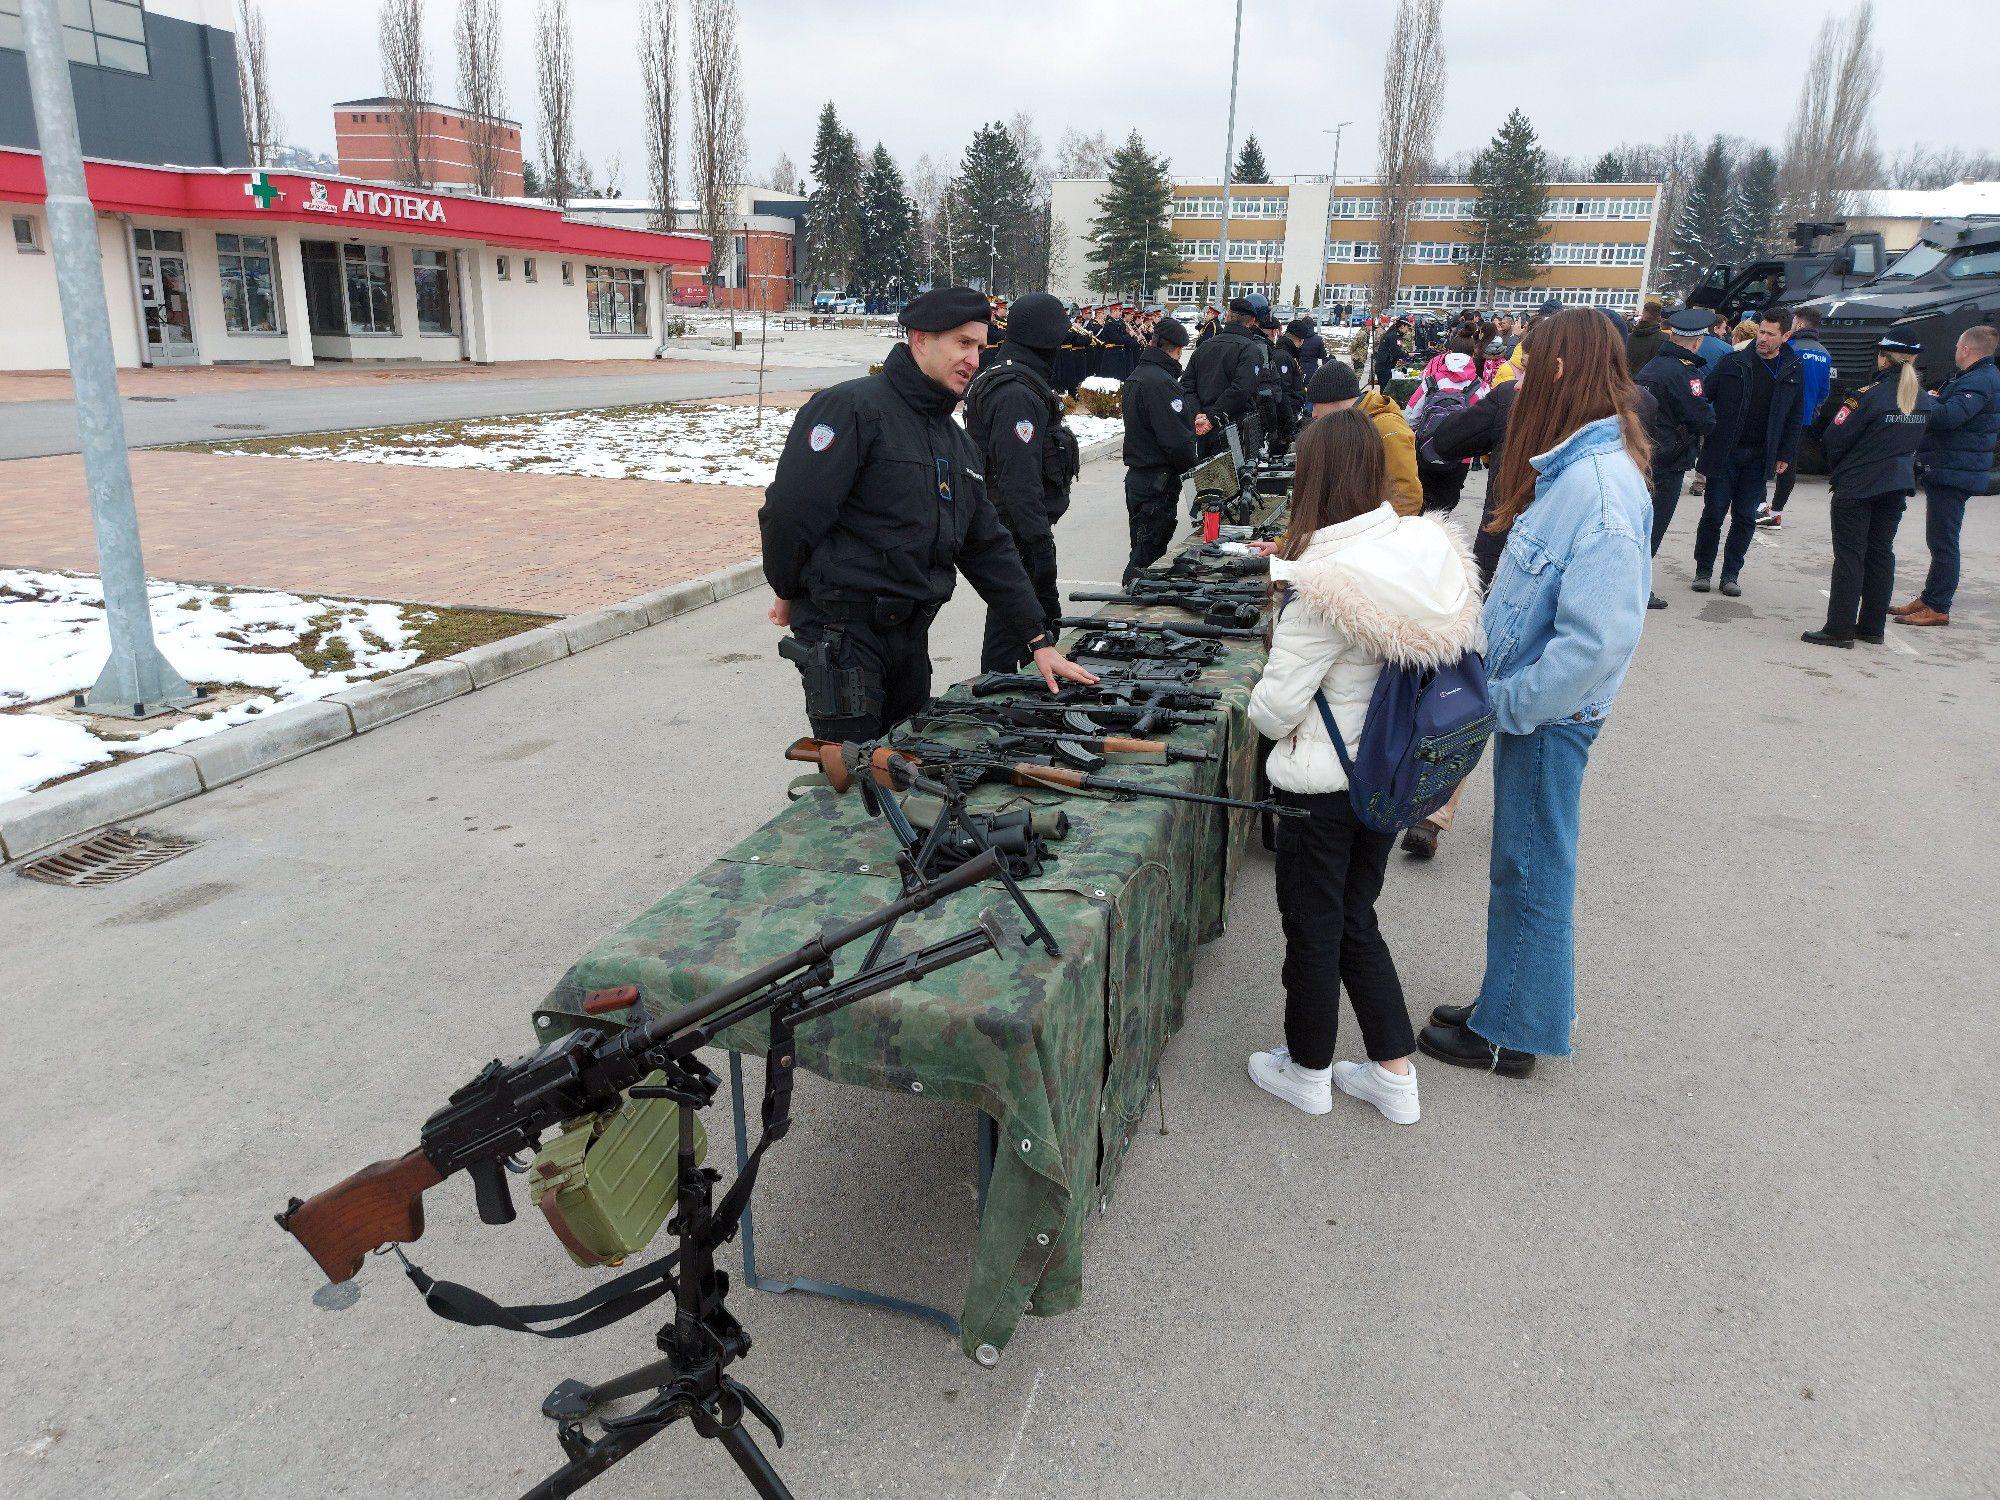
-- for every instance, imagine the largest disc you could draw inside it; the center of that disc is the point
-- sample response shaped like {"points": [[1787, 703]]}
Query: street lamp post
{"points": [[1333, 189], [1229, 160], [137, 681]]}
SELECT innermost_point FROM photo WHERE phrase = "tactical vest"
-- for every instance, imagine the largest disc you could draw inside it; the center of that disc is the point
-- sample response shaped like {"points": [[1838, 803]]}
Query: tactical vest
{"points": [[1062, 455]]}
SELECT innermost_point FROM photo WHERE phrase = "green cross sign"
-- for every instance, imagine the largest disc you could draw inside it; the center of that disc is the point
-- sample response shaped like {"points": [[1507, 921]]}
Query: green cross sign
{"points": [[259, 188]]}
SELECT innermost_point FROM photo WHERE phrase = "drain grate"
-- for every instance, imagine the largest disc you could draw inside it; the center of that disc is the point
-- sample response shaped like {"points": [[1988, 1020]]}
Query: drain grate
{"points": [[102, 858]]}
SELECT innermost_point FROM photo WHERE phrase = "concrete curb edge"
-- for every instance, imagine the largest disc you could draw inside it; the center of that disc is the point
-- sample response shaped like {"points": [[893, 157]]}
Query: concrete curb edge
{"points": [[39, 821]]}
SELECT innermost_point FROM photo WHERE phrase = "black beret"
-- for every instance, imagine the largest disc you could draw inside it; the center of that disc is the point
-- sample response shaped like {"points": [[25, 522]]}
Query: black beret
{"points": [[1334, 380], [1171, 332], [1300, 328], [1690, 319], [1242, 305], [944, 308]]}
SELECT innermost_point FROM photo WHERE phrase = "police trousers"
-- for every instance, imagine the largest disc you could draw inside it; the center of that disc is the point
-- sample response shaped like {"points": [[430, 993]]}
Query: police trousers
{"points": [[1864, 564], [861, 674], [1003, 650], [1151, 498]]}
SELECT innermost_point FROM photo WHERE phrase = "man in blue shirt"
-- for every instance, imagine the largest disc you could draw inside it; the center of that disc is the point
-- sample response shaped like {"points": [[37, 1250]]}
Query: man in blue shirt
{"points": [[1757, 394], [1817, 366], [1714, 345]]}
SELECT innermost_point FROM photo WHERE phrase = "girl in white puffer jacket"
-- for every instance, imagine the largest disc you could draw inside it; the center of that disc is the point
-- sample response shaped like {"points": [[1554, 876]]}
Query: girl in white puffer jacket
{"points": [[1364, 586]]}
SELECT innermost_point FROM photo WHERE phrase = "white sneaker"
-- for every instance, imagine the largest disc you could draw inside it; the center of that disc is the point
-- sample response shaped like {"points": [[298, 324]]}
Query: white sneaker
{"points": [[1395, 1094], [1303, 1088]]}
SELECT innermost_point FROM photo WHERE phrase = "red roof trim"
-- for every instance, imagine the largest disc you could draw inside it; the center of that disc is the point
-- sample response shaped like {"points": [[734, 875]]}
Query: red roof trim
{"points": [[176, 192]]}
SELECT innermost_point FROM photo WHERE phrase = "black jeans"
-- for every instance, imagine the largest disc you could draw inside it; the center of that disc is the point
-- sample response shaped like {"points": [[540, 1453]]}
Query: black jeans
{"points": [[1666, 495], [1151, 496], [1864, 564], [1330, 871], [889, 664]]}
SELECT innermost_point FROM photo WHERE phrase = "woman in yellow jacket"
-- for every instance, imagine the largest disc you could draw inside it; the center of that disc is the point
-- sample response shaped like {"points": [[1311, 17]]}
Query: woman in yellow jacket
{"points": [[1334, 387]]}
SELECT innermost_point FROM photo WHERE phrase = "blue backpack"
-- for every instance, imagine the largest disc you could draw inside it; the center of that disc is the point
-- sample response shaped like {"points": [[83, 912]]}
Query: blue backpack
{"points": [[1425, 731]]}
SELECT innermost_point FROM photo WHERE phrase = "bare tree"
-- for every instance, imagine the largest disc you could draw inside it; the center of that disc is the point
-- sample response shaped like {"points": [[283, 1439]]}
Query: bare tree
{"points": [[1083, 156], [1412, 99], [1037, 222], [659, 65], [406, 79], [1830, 147], [928, 184], [253, 81], [613, 185], [715, 84], [1932, 167], [555, 90], [784, 176], [481, 90]]}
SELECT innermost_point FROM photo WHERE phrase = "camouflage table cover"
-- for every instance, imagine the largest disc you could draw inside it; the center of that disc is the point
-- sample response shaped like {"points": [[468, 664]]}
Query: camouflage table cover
{"points": [[1061, 1052]]}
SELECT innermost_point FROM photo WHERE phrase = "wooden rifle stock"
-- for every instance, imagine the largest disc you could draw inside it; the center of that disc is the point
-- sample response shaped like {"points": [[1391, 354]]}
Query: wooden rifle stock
{"points": [[379, 1205]]}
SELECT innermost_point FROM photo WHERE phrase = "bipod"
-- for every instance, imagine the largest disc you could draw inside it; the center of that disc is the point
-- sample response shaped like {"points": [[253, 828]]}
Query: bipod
{"points": [[692, 1381], [913, 859]]}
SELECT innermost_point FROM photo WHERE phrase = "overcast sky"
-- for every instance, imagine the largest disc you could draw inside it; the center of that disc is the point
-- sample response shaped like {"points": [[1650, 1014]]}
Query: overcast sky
{"points": [[920, 76]]}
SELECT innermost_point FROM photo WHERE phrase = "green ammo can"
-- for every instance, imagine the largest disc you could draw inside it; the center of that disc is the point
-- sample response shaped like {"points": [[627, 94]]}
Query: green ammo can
{"points": [[607, 1182]]}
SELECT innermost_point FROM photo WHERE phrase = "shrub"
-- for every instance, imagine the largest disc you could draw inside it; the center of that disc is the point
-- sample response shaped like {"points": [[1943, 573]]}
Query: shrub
{"points": [[1095, 403]]}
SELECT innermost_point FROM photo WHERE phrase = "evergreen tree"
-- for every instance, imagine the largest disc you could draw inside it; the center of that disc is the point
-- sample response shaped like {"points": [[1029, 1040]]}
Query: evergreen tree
{"points": [[1754, 209], [1702, 232], [833, 216], [993, 215], [1610, 168], [1504, 243], [887, 265], [1250, 163], [1132, 247]]}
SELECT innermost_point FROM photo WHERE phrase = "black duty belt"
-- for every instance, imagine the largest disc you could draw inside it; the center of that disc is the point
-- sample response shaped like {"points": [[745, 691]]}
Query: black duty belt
{"points": [[884, 612]]}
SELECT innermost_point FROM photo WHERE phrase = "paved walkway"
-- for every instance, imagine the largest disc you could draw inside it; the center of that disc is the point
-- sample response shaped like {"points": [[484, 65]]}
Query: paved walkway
{"points": [[195, 380], [445, 536]]}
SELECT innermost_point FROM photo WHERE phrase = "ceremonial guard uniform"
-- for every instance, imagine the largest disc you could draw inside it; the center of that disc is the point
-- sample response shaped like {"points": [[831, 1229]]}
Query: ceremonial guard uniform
{"points": [[1159, 444], [1031, 459], [878, 498]]}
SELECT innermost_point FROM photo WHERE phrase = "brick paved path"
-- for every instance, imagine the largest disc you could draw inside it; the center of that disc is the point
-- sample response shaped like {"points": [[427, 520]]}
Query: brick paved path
{"points": [[441, 536]]}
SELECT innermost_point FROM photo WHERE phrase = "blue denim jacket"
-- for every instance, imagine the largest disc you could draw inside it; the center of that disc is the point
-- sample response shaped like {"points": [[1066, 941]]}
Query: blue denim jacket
{"points": [[1567, 602]]}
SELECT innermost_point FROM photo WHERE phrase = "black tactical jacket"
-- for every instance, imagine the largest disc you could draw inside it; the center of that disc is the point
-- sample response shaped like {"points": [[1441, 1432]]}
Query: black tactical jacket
{"points": [[1031, 458], [879, 494], [1224, 372], [1159, 416], [1871, 443], [1681, 416]]}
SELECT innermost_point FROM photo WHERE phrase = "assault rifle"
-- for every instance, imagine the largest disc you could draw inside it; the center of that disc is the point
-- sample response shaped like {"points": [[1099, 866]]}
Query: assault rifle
{"points": [[505, 1109], [1110, 687], [970, 767], [1158, 631], [1067, 746], [1217, 604], [1147, 670], [1136, 719]]}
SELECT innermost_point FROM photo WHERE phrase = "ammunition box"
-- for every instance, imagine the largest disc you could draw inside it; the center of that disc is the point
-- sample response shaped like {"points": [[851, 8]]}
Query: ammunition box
{"points": [[606, 1183]]}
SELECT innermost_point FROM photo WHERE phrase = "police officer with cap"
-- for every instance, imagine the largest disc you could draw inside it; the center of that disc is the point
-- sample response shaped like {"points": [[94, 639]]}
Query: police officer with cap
{"points": [[1030, 460], [1284, 386], [1223, 375], [1159, 443], [1680, 417], [878, 498]]}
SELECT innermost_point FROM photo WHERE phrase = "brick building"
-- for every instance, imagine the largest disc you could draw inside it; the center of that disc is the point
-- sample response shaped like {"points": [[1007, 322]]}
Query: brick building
{"points": [[364, 136]]}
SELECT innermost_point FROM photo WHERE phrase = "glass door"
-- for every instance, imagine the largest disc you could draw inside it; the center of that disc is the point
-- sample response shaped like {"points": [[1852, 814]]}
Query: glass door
{"points": [[164, 300]]}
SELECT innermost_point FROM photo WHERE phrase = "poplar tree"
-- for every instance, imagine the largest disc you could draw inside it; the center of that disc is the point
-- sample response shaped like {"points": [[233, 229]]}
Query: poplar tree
{"points": [[1504, 240], [1132, 246]]}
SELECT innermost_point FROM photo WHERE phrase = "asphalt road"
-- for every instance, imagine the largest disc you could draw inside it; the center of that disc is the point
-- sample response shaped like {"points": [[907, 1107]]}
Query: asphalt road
{"points": [[34, 429], [1741, 1244]]}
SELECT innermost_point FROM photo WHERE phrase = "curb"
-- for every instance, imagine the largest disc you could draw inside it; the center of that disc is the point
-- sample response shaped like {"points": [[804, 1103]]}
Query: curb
{"points": [[40, 821]]}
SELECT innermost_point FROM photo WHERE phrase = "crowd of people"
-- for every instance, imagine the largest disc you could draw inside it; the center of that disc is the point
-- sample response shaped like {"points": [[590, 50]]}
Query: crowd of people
{"points": [[1588, 429]]}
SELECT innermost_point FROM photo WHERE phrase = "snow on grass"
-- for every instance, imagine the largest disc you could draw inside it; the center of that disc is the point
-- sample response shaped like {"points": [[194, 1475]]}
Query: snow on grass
{"points": [[291, 649], [1103, 383], [1089, 429], [672, 443]]}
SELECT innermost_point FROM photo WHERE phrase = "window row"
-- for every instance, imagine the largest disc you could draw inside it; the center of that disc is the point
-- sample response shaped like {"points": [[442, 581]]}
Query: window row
{"points": [[1261, 207], [1238, 249], [97, 33], [1450, 252]]}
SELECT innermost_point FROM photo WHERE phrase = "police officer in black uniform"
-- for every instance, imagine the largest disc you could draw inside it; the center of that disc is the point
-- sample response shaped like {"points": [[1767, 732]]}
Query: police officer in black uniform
{"points": [[878, 498], [1223, 375], [1159, 444], [1680, 416], [1871, 454], [1031, 459], [1285, 387]]}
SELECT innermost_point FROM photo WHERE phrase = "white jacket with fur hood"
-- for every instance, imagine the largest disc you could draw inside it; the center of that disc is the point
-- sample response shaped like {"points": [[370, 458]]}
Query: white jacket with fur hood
{"points": [[1377, 588]]}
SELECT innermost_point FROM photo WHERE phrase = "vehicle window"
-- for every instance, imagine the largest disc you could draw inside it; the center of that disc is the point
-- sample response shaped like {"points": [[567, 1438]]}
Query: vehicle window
{"points": [[1920, 259], [1978, 263]]}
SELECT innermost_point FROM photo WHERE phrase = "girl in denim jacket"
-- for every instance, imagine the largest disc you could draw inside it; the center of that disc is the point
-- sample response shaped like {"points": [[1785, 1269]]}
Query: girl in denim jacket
{"points": [[1562, 621]]}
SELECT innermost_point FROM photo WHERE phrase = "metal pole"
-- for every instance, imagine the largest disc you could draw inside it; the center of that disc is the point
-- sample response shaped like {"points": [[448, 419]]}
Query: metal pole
{"points": [[1229, 159], [137, 681], [1332, 192]]}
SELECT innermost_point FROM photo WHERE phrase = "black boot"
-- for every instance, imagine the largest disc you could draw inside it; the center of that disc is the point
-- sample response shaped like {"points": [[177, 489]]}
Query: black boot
{"points": [[1467, 1049], [1826, 638], [1450, 1015], [1701, 585]]}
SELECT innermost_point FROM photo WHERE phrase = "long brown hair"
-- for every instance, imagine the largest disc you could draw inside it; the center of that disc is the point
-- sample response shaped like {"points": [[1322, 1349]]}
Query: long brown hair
{"points": [[1341, 472], [1576, 374]]}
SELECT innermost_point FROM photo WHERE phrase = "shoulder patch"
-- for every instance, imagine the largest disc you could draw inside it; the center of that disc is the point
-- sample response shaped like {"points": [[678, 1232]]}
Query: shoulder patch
{"points": [[1025, 430], [1176, 403], [1841, 415], [821, 438], [1694, 385]]}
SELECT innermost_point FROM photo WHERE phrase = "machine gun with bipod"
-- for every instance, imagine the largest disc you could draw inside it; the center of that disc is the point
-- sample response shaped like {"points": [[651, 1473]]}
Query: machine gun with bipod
{"points": [[1082, 752], [1218, 605]]}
